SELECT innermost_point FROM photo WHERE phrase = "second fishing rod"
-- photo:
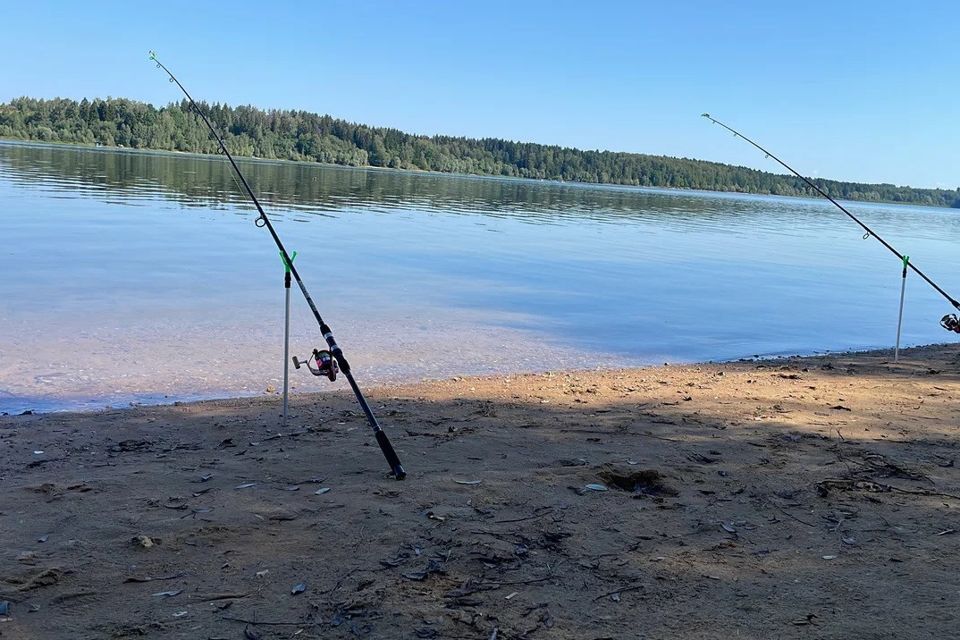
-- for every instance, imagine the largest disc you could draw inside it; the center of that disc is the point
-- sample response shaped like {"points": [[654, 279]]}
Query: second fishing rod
{"points": [[324, 360], [950, 322]]}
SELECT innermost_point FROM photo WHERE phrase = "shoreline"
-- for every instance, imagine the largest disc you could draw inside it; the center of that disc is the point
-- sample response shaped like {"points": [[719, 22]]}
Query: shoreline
{"points": [[794, 496], [299, 393]]}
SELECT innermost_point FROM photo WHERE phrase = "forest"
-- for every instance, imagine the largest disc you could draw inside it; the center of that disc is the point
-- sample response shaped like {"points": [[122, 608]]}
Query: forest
{"points": [[310, 137]]}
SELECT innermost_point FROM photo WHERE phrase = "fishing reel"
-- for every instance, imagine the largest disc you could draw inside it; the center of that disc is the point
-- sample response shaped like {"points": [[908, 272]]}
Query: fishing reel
{"points": [[326, 364], [950, 322]]}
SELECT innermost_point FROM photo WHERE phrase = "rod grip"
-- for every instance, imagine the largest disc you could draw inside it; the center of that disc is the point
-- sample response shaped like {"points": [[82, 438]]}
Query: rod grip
{"points": [[390, 455]]}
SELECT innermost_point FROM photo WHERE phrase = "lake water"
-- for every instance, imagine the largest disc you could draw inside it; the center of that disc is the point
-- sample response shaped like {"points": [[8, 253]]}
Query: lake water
{"points": [[138, 277]]}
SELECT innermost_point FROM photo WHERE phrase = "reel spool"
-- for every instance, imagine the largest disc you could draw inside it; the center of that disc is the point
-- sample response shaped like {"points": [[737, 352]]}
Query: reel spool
{"points": [[950, 322], [326, 364]]}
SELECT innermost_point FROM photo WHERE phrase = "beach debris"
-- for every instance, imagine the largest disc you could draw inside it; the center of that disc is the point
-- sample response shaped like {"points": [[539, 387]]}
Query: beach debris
{"points": [[840, 407], [176, 503], [321, 491], [43, 538], [699, 458], [42, 461], [829, 557], [728, 527], [27, 557], [468, 482], [45, 578], [824, 487], [38, 453], [144, 542], [262, 573], [180, 614], [947, 532], [4, 607], [434, 566], [804, 621], [291, 487], [432, 516], [251, 634], [245, 485], [300, 587], [512, 595], [204, 478], [595, 486], [167, 594], [128, 446], [640, 482], [885, 467], [195, 512], [621, 590]]}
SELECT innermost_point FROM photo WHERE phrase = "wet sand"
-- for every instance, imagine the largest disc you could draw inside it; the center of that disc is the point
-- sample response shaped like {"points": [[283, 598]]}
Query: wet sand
{"points": [[796, 498]]}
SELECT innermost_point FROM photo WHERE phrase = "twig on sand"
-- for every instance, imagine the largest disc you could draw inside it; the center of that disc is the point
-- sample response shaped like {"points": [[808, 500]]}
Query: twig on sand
{"points": [[277, 623], [292, 434], [919, 492], [632, 587], [513, 582], [154, 578], [790, 515], [221, 596], [542, 513]]}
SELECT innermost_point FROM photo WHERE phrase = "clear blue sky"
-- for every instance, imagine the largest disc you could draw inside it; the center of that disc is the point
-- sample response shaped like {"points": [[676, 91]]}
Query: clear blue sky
{"points": [[853, 90]]}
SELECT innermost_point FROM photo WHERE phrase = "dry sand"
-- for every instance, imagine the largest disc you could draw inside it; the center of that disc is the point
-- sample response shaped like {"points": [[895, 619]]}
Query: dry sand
{"points": [[798, 498]]}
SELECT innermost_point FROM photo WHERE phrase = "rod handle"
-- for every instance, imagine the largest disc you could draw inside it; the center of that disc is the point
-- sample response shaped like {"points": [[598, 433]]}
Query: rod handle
{"points": [[392, 459]]}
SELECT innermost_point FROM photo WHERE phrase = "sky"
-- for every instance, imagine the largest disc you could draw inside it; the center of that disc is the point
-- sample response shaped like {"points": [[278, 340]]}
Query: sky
{"points": [[865, 91]]}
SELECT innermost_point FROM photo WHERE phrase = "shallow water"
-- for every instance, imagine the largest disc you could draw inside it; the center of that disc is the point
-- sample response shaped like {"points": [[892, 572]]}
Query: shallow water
{"points": [[140, 277]]}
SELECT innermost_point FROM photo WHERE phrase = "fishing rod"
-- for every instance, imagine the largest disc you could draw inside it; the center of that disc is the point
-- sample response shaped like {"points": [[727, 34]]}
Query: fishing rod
{"points": [[327, 361], [950, 322]]}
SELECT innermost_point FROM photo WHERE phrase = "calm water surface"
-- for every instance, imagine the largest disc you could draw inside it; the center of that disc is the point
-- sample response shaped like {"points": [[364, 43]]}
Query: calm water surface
{"points": [[134, 277]]}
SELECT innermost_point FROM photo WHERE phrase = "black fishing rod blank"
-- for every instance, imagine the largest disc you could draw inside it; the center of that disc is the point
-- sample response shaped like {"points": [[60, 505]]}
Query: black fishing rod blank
{"points": [[949, 322], [335, 353]]}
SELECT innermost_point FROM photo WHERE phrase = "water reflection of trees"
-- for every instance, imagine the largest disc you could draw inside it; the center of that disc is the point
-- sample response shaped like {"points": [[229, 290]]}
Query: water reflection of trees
{"points": [[204, 181]]}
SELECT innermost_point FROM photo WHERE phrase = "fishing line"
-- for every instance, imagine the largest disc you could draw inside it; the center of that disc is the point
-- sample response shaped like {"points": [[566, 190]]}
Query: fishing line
{"points": [[327, 361], [948, 322]]}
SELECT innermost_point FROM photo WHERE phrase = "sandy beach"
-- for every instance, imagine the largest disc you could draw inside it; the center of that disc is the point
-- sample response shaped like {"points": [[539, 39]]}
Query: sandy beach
{"points": [[796, 498]]}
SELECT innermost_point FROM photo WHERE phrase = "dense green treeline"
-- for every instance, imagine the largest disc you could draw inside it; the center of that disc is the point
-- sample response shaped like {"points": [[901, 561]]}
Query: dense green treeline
{"points": [[298, 135]]}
